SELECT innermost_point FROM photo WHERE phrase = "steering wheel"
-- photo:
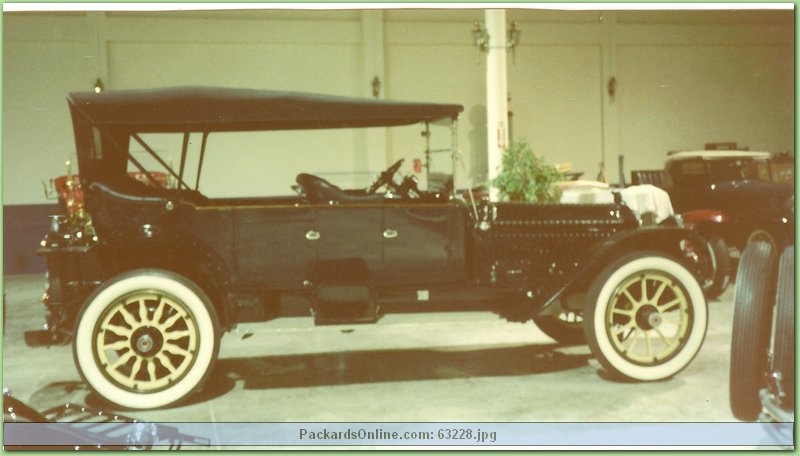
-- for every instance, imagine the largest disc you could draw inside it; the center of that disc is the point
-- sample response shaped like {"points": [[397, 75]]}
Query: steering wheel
{"points": [[386, 178]]}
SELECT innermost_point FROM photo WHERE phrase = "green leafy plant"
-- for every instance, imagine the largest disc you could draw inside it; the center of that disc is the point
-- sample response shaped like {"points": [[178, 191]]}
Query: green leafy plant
{"points": [[527, 177]]}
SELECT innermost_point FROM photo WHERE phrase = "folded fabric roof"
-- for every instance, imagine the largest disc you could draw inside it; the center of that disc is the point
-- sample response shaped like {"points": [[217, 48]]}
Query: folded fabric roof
{"points": [[227, 109]]}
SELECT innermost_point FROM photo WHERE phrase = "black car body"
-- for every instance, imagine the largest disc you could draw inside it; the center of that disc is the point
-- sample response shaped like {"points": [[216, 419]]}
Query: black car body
{"points": [[143, 279], [740, 184]]}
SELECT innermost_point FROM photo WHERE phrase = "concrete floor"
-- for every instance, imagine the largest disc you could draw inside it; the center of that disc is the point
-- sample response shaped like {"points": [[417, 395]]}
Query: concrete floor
{"points": [[456, 367]]}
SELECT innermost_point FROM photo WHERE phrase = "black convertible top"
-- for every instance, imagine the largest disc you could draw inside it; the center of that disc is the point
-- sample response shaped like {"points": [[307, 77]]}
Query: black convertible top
{"points": [[181, 109]]}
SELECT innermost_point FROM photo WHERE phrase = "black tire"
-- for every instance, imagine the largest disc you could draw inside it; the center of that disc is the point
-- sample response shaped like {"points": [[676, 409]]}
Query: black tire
{"points": [[764, 236], [721, 276], [566, 327], [784, 328], [646, 317], [146, 339], [752, 325]]}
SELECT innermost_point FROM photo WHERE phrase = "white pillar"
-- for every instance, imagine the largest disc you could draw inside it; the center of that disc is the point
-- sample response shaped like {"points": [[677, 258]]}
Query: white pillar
{"points": [[496, 94]]}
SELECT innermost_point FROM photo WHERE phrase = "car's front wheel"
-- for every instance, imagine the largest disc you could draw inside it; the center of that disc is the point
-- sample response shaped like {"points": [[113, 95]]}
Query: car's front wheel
{"points": [[146, 339], [721, 275], [646, 317]]}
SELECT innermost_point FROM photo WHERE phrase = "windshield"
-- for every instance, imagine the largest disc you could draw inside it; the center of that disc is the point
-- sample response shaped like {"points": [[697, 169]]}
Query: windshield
{"points": [[739, 168]]}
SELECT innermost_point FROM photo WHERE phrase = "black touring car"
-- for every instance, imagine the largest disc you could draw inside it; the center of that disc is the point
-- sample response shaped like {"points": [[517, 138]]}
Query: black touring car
{"points": [[146, 273]]}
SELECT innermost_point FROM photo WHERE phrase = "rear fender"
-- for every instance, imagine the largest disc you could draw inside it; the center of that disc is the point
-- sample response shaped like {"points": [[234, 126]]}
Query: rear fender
{"points": [[180, 254]]}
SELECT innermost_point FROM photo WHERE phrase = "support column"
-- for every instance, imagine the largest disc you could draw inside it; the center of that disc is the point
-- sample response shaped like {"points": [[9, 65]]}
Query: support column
{"points": [[610, 152], [496, 95]]}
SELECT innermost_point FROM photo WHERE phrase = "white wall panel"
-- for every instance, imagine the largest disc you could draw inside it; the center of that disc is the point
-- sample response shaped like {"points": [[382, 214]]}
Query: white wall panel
{"points": [[556, 98], [37, 132], [441, 74], [264, 66], [681, 97]]}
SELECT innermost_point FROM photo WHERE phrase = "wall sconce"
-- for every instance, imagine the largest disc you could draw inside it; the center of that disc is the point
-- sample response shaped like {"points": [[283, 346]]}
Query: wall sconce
{"points": [[376, 86], [480, 38], [512, 40], [98, 86]]}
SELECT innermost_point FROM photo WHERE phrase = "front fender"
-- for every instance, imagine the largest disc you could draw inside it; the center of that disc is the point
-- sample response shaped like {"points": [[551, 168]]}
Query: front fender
{"points": [[692, 219], [681, 244]]}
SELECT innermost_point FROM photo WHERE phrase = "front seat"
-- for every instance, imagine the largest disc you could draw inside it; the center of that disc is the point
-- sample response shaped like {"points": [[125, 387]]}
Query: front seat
{"points": [[318, 190]]}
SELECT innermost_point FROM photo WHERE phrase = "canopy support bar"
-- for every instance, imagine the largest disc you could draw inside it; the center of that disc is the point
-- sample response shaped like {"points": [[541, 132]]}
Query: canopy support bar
{"points": [[158, 159]]}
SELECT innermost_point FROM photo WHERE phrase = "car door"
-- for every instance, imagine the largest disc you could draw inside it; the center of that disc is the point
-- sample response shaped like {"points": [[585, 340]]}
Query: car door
{"points": [[274, 245], [423, 243], [344, 233]]}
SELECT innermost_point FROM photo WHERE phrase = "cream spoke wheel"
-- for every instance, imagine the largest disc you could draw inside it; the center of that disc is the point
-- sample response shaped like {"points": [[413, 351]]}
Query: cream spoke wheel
{"points": [[146, 339], [642, 304], [647, 316], [143, 331]]}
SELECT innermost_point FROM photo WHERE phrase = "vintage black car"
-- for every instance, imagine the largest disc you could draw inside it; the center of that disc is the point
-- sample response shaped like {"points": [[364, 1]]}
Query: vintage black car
{"points": [[144, 278], [741, 185]]}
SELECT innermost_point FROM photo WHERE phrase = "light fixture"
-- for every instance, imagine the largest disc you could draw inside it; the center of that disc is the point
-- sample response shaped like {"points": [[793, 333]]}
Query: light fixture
{"points": [[480, 38], [512, 39], [376, 86], [98, 85]]}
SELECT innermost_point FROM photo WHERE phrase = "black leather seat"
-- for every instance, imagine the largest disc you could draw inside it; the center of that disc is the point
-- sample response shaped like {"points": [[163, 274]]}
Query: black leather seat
{"points": [[318, 190], [657, 177]]}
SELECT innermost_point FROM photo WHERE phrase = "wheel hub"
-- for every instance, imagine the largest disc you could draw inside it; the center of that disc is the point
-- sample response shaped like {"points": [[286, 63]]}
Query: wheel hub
{"points": [[147, 341], [648, 317]]}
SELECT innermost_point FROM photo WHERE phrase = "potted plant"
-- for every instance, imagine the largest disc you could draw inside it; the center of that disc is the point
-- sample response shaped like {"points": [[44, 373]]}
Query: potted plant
{"points": [[527, 177]]}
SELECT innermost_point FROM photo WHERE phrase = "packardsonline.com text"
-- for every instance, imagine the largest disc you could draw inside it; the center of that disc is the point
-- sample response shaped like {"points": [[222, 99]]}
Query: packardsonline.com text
{"points": [[363, 435]]}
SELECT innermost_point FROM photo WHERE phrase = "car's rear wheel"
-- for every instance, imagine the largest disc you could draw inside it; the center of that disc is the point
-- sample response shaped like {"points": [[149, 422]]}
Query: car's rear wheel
{"points": [[646, 317], [752, 325], [146, 339], [565, 327], [784, 328]]}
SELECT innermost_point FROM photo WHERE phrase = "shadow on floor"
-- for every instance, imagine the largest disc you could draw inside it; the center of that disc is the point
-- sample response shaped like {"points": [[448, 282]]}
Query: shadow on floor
{"points": [[359, 367], [324, 369]]}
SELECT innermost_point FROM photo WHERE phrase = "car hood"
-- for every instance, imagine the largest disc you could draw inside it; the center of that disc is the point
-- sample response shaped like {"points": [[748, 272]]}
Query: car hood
{"points": [[754, 192]]}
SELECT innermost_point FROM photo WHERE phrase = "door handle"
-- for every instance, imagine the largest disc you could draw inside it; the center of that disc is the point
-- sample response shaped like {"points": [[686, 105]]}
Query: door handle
{"points": [[312, 235], [389, 233]]}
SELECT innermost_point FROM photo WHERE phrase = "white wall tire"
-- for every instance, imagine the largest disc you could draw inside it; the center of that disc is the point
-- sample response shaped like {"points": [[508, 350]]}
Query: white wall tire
{"points": [[646, 317], [146, 339]]}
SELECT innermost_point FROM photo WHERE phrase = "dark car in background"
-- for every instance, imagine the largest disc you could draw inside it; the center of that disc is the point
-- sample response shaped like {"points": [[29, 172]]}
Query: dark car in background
{"points": [[742, 185], [144, 278]]}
